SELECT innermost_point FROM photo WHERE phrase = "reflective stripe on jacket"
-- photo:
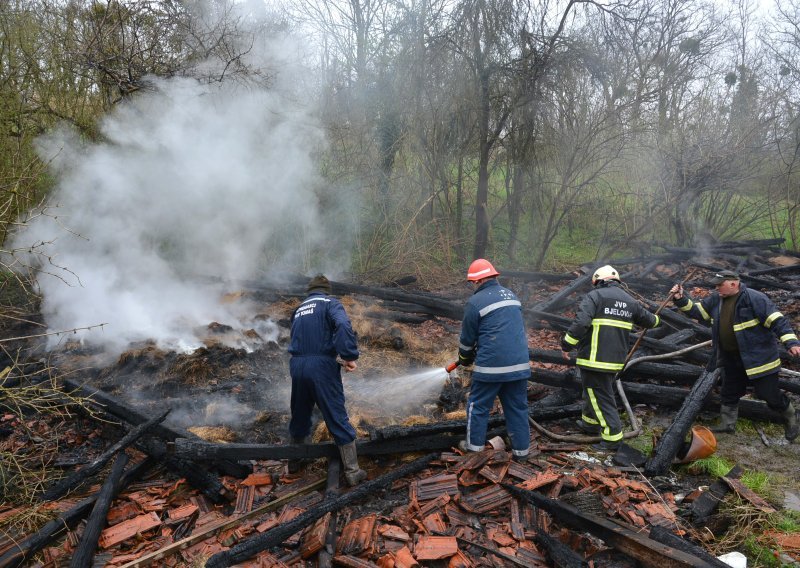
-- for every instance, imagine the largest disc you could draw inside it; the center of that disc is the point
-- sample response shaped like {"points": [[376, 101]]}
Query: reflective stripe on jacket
{"points": [[493, 334], [756, 324], [602, 327]]}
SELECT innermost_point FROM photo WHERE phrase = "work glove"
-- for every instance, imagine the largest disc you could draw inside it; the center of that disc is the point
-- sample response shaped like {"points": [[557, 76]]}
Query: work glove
{"points": [[465, 360]]}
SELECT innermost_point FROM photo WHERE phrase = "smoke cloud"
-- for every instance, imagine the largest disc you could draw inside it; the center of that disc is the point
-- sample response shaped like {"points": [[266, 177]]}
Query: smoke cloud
{"points": [[191, 180]]}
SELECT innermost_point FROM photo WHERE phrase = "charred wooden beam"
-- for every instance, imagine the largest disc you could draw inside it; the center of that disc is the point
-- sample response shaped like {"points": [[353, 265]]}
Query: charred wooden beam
{"points": [[659, 395], [75, 480], [559, 553], [554, 301], [705, 505], [84, 553], [252, 546], [671, 442], [775, 270], [634, 544], [198, 450], [21, 552], [127, 413], [749, 280], [680, 373], [325, 556], [537, 411], [664, 536], [535, 276]]}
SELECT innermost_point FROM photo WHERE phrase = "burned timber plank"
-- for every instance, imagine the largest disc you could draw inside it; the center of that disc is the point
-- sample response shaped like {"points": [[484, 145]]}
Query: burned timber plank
{"points": [[659, 395], [76, 479], [670, 443], [22, 551], [647, 551], [127, 413], [84, 553], [197, 450], [665, 536], [252, 546], [705, 505], [559, 553], [555, 300]]}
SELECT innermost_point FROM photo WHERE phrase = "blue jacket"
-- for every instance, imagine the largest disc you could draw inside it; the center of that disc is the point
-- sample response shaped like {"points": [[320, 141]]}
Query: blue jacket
{"points": [[493, 335], [320, 327], [756, 325]]}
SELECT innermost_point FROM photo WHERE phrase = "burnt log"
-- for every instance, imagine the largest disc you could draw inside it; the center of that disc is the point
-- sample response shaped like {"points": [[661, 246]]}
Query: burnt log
{"points": [[559, 553], [665, 536], [775, 270], [659, 395], [535, 276], [537, 411], [671, 442], [21, 552], [749, 280], [84, 554], [636, 545], [252, 546], [556, 300], [196, 476], [127, 413], [75, 480], [680, 373], [708, 502], [198, 450]]}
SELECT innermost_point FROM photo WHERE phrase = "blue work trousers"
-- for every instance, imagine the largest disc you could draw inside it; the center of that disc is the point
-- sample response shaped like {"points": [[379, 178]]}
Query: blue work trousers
{"points": [[514, 398], [318, 380]]}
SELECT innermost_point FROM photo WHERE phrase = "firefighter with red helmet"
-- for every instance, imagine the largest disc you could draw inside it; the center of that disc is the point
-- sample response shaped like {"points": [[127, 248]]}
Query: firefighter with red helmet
{"points": [[493, 338], [600, 332]]}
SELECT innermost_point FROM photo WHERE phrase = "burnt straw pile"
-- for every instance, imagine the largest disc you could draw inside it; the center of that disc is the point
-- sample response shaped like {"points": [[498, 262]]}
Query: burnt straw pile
{"points": [[163, 458]]}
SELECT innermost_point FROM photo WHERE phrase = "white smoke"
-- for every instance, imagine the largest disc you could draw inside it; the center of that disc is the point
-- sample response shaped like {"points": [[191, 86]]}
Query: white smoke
{"points": [[191, 180]]}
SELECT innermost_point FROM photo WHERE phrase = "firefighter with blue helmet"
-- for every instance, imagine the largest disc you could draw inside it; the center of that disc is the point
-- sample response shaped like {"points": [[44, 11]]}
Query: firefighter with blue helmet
{"points": [[321, 332]]}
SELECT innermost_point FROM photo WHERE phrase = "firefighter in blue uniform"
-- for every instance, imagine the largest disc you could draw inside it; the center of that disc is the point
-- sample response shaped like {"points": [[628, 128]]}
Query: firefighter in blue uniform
{"points": [[493, 337], [600, 332], [744, 327], [321, 331]]}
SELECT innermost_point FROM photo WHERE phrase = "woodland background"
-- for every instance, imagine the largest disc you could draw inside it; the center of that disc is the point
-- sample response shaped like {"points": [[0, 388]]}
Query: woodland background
{"points": [[533, 133]]}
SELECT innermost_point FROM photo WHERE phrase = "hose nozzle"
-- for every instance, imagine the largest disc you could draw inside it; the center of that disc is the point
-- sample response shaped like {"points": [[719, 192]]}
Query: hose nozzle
{"points": [[451, 367]]}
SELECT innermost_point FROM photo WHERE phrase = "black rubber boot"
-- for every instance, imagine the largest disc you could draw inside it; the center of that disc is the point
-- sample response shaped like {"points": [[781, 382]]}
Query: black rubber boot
{"points": [[728, 415], [296, 465], [352, 473], [791, 428]]}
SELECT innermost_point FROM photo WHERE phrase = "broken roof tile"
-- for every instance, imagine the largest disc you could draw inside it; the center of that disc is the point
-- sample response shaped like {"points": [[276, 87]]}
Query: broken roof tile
{"points": [[358, 536], [435, 547], [127, 529]]}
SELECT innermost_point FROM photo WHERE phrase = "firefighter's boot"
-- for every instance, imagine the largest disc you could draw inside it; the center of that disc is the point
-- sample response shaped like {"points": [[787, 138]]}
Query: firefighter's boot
{"points": [[791, 428], [728, 415], [295, 465], [352, 473]]}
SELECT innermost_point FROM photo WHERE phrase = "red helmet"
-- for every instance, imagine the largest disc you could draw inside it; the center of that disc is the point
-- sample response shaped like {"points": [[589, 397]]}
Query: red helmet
{"points": [[480, 269]]}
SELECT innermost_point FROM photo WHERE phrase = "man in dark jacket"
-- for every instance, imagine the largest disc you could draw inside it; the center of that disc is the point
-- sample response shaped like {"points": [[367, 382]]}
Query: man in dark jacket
{"points": [[744, 326], [321, 331], [600, 332], [493, 337]]}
